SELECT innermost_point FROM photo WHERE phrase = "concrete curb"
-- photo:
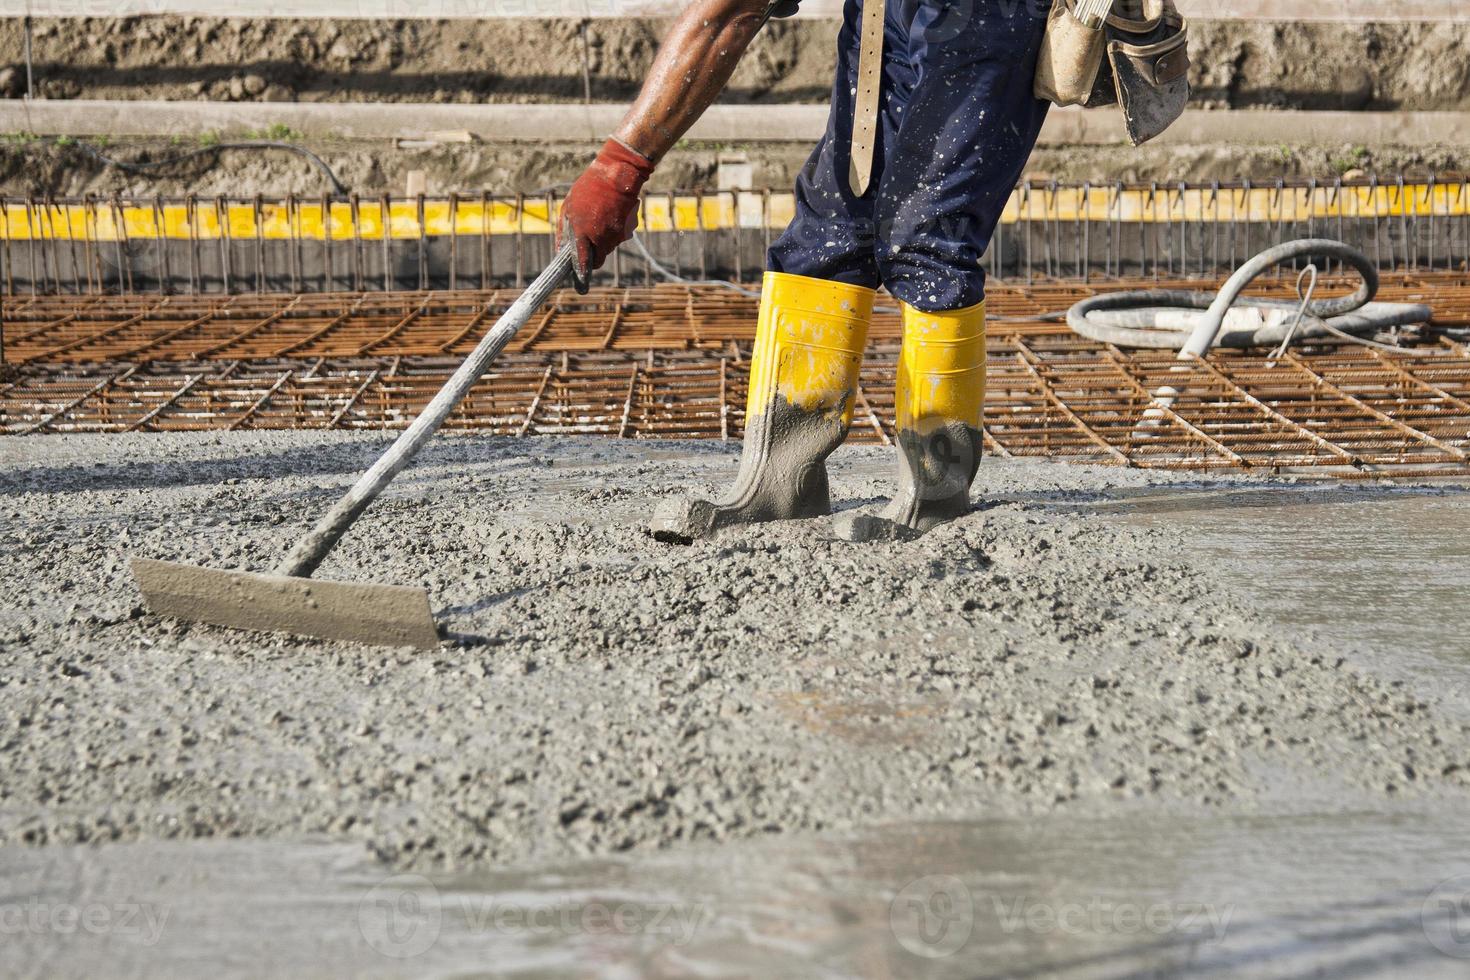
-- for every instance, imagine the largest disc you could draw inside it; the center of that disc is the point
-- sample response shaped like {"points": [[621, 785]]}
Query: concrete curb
{"points": [[724, 124], [389, 120]]}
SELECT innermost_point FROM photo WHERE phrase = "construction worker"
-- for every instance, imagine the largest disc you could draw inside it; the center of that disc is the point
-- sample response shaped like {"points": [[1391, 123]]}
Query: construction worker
{"points": [[932, 120]]}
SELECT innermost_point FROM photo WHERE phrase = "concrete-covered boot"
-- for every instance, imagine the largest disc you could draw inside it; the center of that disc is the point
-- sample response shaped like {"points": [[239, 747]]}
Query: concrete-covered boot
{"points": [[940, 400], [803, 381]]}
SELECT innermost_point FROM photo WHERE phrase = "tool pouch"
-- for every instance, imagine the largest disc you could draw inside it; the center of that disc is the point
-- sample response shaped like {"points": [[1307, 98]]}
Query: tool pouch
{"points": [[1138, 58], [1071, 55]]}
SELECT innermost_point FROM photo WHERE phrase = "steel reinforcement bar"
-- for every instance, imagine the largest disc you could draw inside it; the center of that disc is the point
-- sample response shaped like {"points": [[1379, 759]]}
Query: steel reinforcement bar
{"points": [[151, 327], [671, 361], [1047, 230]]}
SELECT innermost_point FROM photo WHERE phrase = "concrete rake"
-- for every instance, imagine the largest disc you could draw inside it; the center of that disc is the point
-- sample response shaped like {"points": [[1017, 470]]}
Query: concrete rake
{"points": [[288, 599]]}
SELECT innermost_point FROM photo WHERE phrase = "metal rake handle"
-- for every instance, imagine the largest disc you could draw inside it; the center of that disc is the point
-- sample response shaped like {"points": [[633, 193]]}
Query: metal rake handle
{"points": [[316, 544]]}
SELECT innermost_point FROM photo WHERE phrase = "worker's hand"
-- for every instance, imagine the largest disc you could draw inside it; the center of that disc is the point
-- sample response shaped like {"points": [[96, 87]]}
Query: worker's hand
{"points": [[601, 210]]}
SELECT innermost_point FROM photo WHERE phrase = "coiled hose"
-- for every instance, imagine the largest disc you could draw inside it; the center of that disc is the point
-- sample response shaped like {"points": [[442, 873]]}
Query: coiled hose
{"points": [[1172, 318]]}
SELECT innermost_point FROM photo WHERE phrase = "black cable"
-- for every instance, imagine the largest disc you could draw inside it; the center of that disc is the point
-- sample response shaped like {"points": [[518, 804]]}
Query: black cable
{"points": [[145, 166]]}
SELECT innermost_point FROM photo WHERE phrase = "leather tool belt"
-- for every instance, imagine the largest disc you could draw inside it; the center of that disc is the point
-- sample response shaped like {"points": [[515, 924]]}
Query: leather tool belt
{"points": [[1137, 58], [865, 107]]}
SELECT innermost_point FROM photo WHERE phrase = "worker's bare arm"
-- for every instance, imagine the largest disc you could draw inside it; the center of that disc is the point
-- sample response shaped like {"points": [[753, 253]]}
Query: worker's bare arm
{"points": [[693, 64]]}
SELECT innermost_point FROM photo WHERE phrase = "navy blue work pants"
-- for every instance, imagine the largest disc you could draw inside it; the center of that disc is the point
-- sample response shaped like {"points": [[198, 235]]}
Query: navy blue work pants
{"points": [[956, 123]]}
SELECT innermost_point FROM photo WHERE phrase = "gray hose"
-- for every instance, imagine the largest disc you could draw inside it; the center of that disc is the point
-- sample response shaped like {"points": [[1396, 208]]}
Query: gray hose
{"points": [[1169, 318], [1162, 318]]}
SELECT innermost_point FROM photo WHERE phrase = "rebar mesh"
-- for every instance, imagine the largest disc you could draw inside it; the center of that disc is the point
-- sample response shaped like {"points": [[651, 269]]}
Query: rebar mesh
{"points": [[672, 361]]}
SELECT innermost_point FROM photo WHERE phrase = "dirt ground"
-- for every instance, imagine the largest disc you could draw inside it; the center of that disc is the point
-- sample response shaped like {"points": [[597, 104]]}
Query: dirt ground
{"points": [[39, 167], [602, 692], [1235, 64]]}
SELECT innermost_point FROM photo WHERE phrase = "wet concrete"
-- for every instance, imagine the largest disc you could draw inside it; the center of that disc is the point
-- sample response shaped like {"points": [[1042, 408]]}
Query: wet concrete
{"points": [[1356, 894], [1110, 687], [1380, 572]]}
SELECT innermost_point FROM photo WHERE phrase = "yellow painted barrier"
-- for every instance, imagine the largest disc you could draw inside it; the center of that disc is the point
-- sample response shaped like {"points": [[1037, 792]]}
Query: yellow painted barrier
{"points": [[103, 221]]}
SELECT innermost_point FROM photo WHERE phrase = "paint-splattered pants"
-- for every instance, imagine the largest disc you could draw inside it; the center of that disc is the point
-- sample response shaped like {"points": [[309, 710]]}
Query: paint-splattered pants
{"points": [[956, 122]]}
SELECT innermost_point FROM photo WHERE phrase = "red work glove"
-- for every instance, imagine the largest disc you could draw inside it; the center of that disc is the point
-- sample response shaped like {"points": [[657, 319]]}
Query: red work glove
{"points": [[601, 210]]}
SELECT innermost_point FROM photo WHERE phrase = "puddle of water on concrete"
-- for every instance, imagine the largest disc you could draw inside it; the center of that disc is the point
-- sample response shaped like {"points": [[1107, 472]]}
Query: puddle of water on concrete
{"points": [[1381, 574], [1362, 894]]}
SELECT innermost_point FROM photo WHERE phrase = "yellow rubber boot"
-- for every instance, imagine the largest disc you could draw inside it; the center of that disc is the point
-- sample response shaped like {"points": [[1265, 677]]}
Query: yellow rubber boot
{"points": [[940, 401], [803, 383]]}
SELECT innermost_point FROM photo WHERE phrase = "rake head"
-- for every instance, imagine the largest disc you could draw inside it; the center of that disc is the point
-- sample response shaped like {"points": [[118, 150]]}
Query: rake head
{"points": [[385, 615]]}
